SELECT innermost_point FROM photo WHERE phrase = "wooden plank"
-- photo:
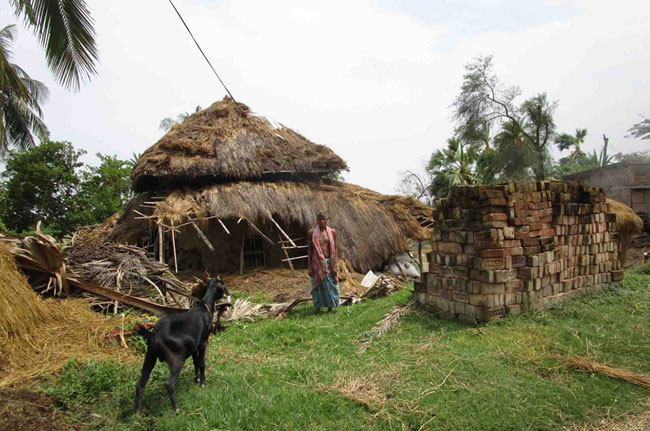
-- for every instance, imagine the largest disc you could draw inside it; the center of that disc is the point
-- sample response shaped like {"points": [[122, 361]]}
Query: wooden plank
{"points": [[294, 258], [202, 236], [282, 231], [133, 301]]}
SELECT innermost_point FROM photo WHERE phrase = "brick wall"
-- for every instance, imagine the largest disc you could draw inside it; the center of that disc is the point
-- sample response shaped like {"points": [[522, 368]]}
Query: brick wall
{"points": [[499, 250]]}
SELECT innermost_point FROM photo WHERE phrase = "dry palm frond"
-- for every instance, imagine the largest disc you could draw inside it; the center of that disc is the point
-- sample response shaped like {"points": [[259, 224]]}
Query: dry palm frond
{"points": [[128, 269], [41, 258], [584, 364], [246, 310], [389, 321]]}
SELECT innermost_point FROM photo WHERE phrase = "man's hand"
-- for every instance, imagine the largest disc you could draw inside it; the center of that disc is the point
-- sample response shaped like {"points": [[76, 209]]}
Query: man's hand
{"points": [[336, 277], [310, 272]]}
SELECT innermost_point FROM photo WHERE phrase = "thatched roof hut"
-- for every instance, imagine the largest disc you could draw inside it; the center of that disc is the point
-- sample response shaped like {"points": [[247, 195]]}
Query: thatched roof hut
{"points": [[228, 189], [228, 142]]}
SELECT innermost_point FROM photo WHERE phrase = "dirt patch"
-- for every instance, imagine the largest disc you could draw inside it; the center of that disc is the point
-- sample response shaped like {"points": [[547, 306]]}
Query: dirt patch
{"points": [[284, 285], [27, 410]]}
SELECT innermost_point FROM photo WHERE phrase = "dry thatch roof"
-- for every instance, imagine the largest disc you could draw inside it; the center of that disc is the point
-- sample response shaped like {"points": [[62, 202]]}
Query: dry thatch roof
{"points": [[228, 142], [371, 226]]}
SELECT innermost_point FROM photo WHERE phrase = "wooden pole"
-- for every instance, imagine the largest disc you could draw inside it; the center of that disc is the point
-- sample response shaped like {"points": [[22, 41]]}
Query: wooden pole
{"points": [[202, 236], [223, 226], [260, 232], [295, 258], [284, 249], [241, 255], [174, 249], [282, 232], [160, 244], [420, 258]]}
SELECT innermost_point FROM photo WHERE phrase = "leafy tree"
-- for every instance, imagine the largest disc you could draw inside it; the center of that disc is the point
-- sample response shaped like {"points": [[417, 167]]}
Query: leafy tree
{"points": [[41, 184], [640, 130], [20, 99], [64, 28], [167, 123], [417, 185], [454, 165], [637, 156], [513, 156], [105, 189], [484, 100]]}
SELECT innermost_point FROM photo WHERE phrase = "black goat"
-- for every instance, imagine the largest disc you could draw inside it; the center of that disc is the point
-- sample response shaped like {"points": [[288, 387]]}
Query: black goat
{"points": [[177, 337]]}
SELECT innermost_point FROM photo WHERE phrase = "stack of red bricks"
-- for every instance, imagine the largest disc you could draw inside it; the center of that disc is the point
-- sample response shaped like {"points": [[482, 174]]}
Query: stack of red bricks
{"points": [[498, 250]]}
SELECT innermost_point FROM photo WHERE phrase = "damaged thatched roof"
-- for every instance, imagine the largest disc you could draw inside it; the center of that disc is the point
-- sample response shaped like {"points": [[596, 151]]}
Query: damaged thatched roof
{"points": [[227, 142], [371, 226]]}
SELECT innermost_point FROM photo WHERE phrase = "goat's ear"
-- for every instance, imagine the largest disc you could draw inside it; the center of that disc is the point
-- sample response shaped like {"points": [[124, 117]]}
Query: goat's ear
{"points": [[219, 278]]}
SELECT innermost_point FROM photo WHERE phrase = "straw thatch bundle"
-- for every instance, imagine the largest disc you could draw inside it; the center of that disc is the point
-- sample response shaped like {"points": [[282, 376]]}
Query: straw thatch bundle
{"points": [[21, 310], [627, 222], [371, 226], [228, 142]]}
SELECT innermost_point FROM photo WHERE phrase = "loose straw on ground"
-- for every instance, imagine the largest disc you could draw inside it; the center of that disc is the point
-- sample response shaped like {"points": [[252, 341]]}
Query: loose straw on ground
{"points": [[584, 364]]}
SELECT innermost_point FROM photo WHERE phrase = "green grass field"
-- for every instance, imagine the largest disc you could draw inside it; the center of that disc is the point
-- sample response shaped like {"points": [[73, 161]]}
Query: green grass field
{"points": [[304, 373]]}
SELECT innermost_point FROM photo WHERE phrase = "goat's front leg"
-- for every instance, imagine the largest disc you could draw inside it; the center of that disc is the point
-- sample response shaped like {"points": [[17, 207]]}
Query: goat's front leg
{"points": [[197, 368], [201, 355], [175, 367]]}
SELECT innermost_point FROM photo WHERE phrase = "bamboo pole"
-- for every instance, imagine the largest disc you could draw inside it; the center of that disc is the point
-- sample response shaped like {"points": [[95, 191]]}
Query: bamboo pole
{"points": [[202, 236], [174, 249], [241, 255], [260, 232], [284, 249], [282, 231], [160, 244], [295, 258], [223, 226]]}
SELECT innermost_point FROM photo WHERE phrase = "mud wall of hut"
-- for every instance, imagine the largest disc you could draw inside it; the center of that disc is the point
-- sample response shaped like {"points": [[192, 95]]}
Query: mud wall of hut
{"points": [[500, 250]]}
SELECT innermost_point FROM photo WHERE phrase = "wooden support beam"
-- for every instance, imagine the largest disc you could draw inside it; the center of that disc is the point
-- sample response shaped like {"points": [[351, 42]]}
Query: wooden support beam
{"points": [[241, 255], [284, 249], [223, 226], [295, 258], [160, 244], [420, 258], [174, 249], [202, 236], [292, 248], [282, 231], [259, 232]]}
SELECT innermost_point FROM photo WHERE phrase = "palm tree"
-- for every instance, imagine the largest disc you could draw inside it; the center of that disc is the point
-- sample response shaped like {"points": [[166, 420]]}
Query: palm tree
{"points": [[20, 97], [64, 28], [566, 141], [168, 122], [454, 165]]}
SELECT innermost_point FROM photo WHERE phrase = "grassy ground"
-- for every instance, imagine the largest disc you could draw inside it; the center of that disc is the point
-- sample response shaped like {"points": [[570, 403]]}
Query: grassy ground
{"points": [[305, 373]]}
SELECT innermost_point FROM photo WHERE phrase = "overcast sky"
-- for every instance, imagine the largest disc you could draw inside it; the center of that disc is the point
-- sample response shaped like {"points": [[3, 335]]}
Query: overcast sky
{"points": [[372, 79]]}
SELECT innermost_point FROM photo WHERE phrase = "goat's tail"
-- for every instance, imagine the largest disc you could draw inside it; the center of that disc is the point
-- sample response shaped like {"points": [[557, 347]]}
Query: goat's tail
{"points": [[147, 334]]}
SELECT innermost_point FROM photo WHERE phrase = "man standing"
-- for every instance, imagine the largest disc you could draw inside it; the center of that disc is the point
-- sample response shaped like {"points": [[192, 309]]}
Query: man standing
{"points": [[322, 257]]}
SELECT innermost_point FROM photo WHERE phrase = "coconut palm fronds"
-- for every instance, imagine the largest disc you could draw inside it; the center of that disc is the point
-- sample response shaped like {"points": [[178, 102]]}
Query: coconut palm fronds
{"points": [[389, 321]]}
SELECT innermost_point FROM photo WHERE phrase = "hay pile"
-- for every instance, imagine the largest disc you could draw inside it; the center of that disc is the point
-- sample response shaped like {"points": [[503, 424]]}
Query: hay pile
{"points": [[40, 336], [21, 310], [627, 222], [130, 270], [228, 141]]}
